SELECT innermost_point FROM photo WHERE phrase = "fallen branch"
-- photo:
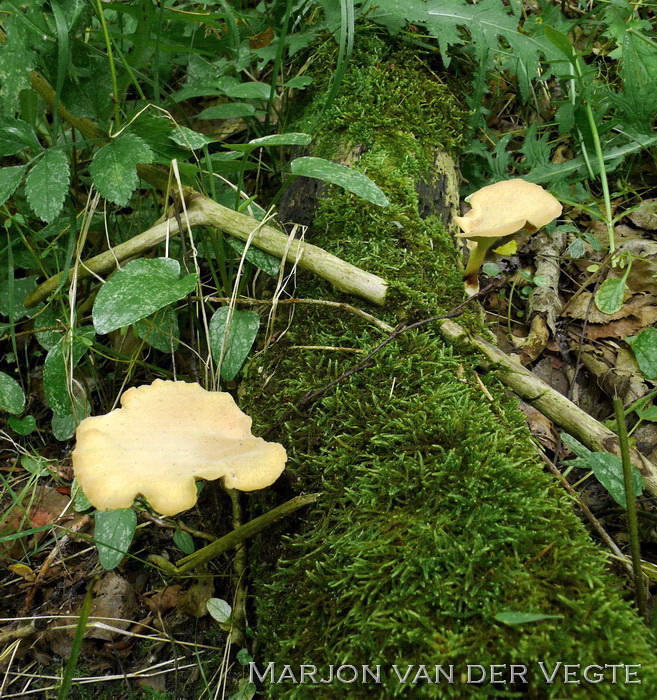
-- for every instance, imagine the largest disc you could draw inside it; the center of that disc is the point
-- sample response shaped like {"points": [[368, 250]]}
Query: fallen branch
{"points": [[203, 211], [550, 402]]}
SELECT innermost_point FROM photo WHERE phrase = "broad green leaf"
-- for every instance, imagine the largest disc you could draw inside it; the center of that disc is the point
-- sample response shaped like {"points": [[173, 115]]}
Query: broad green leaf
{"points": [[248, 91], [607, 468], [266, 262], [291, 139], [576, 249], [37, 466], [10, 179], [184, 541], [114, 167], [649, 413], [219, 609], [243, 330], [300, 82], [341, 175], [48, 318], [80, 500], [64, 425], [22, 426], [644, 347], [60, 360], [610, 295], [14, 307], [160, 330], [17, 59], [113, 534], [509, 617], [47, 183], [12, 396], [246, 690], [15, 136], [189, 139], [230, 110], [139, 289]]}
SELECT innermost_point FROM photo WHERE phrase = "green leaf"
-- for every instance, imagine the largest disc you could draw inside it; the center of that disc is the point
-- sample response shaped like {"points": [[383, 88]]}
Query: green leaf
{"points": [[15, 136], [644, 347], [60, 360], [189, 139], [266, 262], [649, 413], [610, 295], [576, 249], [17, 59], [80, 500], [243, 330], [10, 179], [509, 617], [113, 535], [161, 330], [219, 609], [36, 466], [246, 690], [12, 396], [341, 175], [138, 290], [22, 426], [64, 425], [248, 91], [114, 167], [47, 183], [14, 307], [48, 318], [230, 110], [184, 541], [291, 139], [607, 468]]}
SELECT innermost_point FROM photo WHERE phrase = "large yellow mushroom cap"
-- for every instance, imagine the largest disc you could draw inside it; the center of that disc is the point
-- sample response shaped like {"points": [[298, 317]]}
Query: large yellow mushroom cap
{"points": [[166, 436], [506, 207]]}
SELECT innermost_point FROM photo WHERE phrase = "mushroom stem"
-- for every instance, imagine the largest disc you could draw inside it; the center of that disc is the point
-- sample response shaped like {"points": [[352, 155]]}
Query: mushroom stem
{"points": [[475, 261]]}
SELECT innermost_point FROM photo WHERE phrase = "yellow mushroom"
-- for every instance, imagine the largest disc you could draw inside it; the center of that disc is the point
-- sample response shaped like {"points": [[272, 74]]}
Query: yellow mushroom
{"points": [[166, 436], [498, 211]]}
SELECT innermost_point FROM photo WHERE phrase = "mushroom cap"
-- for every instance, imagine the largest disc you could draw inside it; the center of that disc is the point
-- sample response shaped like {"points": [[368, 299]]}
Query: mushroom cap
{"points": [[166, 436], [506, 207]]}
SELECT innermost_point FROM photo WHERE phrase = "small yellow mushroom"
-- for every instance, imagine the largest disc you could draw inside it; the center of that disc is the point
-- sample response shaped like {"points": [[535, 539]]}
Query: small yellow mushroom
{"points": [[498, 211], [165, 437]]}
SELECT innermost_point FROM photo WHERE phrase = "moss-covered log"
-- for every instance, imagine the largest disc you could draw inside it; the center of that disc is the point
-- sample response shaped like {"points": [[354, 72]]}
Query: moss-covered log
{"points": [[435, 514]]}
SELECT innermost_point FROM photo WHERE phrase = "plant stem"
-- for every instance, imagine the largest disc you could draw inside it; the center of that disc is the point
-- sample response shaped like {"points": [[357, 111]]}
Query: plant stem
{"points": [[110, 57], [635, 545], [236, 537]]}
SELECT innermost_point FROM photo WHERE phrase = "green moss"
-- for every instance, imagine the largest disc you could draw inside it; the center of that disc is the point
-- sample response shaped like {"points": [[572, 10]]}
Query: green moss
{"points": [[436, 514]]}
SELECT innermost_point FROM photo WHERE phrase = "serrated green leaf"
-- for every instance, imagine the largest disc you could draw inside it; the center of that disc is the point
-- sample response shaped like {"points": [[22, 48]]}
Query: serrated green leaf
{"points": [[160, 331], [351, 180], [47, 183], [141, 288], [59, 361], [243, 330], [230, 110], [184, 541], [10, 179], [509, 617], [644, 347], [22, 426], [219, 609], [114, 167], [610, 295], [12, 396], [266, 262], [113, 535]]}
